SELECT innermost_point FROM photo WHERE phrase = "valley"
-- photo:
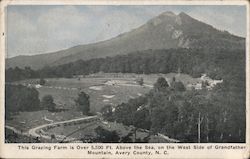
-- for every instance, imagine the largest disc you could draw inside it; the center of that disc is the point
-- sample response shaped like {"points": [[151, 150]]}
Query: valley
{"points": [[103, 89], [173, 79]]}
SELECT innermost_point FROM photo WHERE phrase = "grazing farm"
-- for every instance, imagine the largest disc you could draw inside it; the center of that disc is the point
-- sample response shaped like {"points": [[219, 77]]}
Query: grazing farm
{"points": [[103, 89]]}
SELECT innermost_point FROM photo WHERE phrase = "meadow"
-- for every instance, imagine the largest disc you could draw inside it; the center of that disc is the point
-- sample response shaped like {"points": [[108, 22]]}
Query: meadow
{"points": [[103, 89]]}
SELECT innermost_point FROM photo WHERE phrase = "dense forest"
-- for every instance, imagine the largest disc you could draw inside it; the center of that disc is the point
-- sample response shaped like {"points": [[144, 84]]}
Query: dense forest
{"points": [[190, 61], [186, 115], [20, 98]]}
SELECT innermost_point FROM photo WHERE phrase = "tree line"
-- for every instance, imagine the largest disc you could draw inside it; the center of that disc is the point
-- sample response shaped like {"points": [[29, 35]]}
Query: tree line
{"points": [[190, 61], [19, 98]]}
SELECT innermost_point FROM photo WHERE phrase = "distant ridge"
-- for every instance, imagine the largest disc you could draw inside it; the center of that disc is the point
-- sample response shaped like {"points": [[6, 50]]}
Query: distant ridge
{"points": [[165, 31]]}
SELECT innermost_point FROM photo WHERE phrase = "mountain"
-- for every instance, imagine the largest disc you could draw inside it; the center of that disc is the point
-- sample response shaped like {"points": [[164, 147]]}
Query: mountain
{"points": [[165, 31]]}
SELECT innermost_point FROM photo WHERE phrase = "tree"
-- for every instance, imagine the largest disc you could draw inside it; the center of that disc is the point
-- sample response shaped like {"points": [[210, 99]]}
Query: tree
{"points": [[21, 98], [204, 84], [42, 81], [178, 86], [140, 81], [141, 119], [107, 112], [173, 79], [106, 136], [82, 102], [48, 103], [127, 138], [161, 84]]}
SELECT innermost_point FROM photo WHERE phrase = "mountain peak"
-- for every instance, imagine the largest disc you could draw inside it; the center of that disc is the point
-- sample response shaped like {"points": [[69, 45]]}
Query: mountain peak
{"points": [[183, 15], [165, 17], [165, 31], [167, 13]]}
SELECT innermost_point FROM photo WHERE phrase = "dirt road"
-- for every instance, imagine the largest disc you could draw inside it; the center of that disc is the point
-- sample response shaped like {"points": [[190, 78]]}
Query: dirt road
{"points": [[34, 132]]}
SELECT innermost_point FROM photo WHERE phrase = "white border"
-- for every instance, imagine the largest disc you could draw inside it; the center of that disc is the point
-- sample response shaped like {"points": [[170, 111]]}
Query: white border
{"points": [[10, 150]]}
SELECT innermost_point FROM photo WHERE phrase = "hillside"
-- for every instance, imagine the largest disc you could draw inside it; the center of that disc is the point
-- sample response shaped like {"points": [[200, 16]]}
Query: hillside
{"points": [[165, 31]]}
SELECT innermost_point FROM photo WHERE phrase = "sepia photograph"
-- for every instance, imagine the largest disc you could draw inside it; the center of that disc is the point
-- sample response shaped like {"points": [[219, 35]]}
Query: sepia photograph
{"points": [[125, 74]]}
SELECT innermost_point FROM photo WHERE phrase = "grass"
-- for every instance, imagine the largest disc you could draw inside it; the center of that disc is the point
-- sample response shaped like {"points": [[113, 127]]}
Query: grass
{"points": [[64, 96], [122, 93], [66, 99], [27, 120]]}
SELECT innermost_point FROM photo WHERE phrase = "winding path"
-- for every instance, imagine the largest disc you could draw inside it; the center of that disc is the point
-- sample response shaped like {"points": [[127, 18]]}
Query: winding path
{"points": [[16, 130], [34, 131]]}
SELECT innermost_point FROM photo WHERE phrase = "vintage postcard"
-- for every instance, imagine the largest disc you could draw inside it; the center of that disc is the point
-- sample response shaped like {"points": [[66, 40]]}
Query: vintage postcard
{"points": [[124, 79]]}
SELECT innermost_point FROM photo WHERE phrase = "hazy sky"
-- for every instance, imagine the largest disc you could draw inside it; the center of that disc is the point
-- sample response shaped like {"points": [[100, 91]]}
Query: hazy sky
{"points": [[42, 29]]}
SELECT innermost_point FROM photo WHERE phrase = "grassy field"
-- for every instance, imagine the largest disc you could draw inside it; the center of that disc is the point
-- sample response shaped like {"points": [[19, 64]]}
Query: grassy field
{"points": [[64, 91], [27, 120], [101, 92]]}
